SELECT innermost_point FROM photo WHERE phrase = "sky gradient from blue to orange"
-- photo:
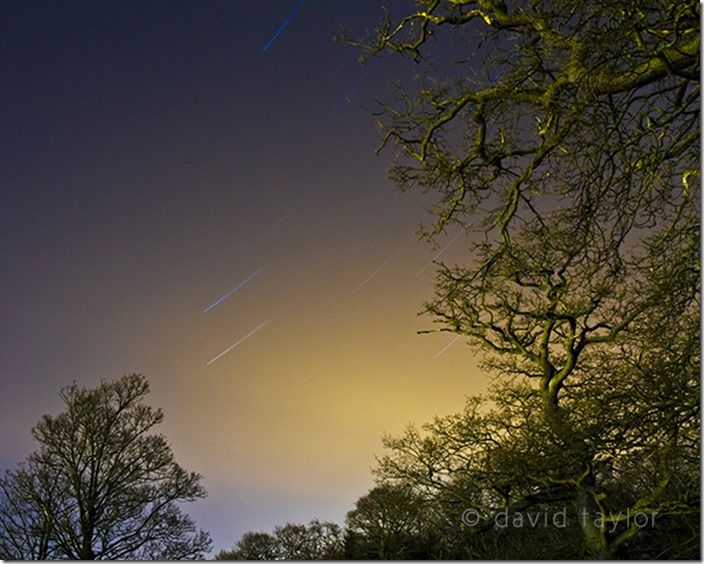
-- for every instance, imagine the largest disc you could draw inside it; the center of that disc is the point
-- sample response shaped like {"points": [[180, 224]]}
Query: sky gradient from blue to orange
{"points": [[152, 158]]}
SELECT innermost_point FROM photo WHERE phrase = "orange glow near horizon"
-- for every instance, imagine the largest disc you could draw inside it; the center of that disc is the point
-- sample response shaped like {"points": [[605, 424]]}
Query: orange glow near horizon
{"points": [[155, 158]]}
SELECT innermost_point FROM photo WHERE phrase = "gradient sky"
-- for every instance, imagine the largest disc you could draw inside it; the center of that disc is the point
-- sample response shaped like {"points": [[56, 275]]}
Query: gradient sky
{"points": [[155, 156]]}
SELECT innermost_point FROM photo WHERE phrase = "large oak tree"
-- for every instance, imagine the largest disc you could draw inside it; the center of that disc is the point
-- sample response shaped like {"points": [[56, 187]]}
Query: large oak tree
{"points": [[101, 485], [570, 148]]}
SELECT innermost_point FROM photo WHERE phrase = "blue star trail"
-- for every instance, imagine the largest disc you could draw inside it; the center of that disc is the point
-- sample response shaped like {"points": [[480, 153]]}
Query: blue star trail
{"points": [[229, 293], [348, 97], [283, 26], [343, 65]]}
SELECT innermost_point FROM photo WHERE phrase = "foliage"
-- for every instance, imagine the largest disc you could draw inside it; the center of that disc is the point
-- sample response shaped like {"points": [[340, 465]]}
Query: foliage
{"points": [[100, 486]]}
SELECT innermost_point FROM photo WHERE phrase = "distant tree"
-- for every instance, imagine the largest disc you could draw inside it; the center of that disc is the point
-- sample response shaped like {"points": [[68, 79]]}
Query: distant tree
{"points": [[390, 522], [316, 541], [100, 486], [573, 150], [252, 546], [636, 409], [319, 540]]}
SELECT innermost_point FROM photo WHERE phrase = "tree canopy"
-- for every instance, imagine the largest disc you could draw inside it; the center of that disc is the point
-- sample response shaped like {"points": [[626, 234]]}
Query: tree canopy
{"points": [[319, 540], [101, 485], [563, 138], [570, 151]]}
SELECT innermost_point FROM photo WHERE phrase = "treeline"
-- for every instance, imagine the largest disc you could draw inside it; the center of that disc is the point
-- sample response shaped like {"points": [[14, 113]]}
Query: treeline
{"points": [[487, 484], [491, 482], [572, 153], [566, 140]]}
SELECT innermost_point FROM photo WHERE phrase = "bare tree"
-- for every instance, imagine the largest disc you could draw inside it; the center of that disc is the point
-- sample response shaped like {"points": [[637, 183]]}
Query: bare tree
{"points": [[252, 546], [100, 486], [389, 523], [575, 159], [319, 540]]}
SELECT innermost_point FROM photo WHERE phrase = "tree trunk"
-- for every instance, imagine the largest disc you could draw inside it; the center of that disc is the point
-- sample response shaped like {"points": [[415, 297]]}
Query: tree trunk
{"points": [[591, 521]]}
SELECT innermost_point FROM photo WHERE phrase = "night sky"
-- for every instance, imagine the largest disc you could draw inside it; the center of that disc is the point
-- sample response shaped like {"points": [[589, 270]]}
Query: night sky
{"points": [[176, 179]]}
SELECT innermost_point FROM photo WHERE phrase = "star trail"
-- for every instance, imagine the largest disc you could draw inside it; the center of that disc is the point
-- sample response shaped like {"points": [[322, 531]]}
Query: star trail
{"points": [[438, 254], [287, 21], [238, 342], [377, 271], [232, 291], [447, 347], [347, 98], [178, 201]]}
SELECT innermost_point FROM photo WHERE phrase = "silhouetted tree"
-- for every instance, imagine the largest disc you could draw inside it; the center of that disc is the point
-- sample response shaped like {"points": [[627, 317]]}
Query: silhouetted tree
{"points": [[390, 522], [576, 159], [316, 541], [100, 486], [637, 410], [319, 540], [252, 546]]}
